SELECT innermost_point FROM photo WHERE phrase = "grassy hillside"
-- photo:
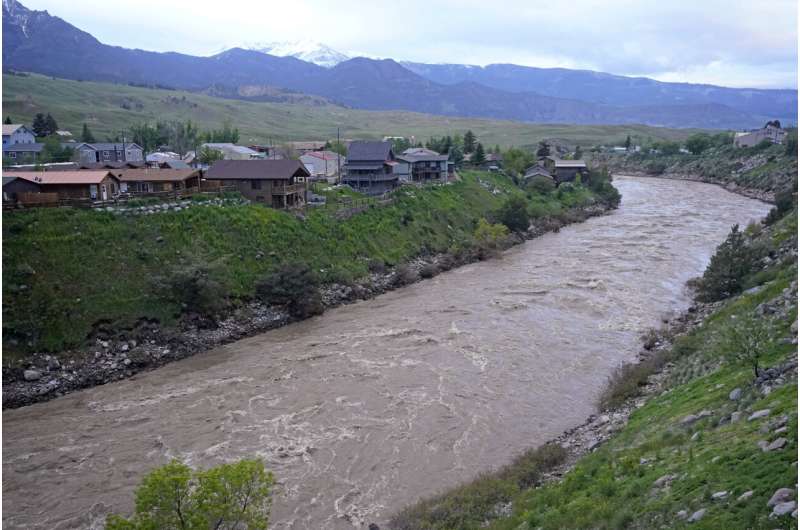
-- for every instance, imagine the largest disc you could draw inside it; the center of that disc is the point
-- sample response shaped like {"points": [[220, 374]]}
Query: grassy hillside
{"points": [[66, 270], [665, 465], [109, 109]]}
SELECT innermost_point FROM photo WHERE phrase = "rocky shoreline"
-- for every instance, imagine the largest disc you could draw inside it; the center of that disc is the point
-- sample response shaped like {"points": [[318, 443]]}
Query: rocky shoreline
{"points": [[752, 193], [119, 354]]}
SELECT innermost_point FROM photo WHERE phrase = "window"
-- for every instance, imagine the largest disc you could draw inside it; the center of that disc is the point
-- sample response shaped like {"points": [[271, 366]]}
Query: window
{"points": [[12, 154], [255, 184], [106, 155]]}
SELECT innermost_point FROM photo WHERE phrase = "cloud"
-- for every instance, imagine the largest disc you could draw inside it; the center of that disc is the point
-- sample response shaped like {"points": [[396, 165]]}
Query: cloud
{"points": [[731, 42]]}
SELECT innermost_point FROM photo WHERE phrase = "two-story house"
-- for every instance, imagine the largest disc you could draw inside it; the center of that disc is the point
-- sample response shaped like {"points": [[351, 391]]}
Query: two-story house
{"points": [[423, 165], [370, 167], [108, 152], [14, 134], [276, 183]]}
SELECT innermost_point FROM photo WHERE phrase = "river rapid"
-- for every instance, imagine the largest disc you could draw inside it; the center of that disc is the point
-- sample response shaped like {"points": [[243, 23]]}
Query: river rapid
{"points": [[370, 406]]}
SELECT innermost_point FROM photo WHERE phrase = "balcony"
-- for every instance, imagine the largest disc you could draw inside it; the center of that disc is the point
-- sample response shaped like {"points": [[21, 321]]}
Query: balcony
{"points": [[288, 189]]}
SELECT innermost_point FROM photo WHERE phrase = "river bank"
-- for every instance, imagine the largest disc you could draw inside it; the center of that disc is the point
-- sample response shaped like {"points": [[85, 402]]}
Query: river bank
{"points": [[733, 187], [114, 357], [692, 417]]}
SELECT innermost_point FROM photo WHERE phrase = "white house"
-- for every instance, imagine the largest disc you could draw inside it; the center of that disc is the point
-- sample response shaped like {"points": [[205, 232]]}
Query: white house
{"points": [[17, 133], [234, 152], [776, 135]]}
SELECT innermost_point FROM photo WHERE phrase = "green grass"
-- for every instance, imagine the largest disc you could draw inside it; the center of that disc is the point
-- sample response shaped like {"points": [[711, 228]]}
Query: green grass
{"points": [[99, 105], [66, 270], [613, 487]]}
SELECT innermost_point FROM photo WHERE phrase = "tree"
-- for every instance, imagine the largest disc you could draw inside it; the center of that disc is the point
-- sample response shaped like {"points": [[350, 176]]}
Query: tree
{"points": [[578, 152], [174, 497], [50, 124], [543, 150], [7, 121], [337, 147], [697, 143], [86, 135], [747, 339], [541, 184], [628, 143], [489, 236], [53, 152], [39, 125], [732, 261], [514, 214], [479, 156], [517, 160], [469, 142], [208, 156]]}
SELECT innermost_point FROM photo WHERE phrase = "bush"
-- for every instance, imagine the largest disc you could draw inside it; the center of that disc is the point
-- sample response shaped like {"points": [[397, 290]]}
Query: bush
{"points": [[489, 236], [656, 167], [514, 214], [294, 286], [747, 340], [196, 289], [733, 260], [784, 202], [541, 184], [228, 497]]}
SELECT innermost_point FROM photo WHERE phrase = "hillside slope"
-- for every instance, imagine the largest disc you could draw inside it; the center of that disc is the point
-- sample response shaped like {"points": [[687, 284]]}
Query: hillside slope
{"points": [[109, 109]]}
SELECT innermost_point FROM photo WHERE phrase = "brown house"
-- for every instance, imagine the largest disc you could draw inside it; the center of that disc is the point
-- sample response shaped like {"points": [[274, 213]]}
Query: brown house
{"points": [[150, 180], [272, 182], [14, 187], [94, 185]]}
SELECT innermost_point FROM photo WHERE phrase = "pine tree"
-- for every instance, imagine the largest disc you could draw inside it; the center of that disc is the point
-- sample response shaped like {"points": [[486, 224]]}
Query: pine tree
{"points": [[39, 125], [628, 143], [479, 156], [86, 135], [7, 120], [544, 149], [469, 142], [578, 153], [51, 125]]}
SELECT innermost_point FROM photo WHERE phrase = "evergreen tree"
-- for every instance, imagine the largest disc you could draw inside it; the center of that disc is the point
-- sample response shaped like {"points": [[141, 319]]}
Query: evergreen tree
{"points": [[50, 124], [628, 143], [86, 135], [733, 260], [479, 156], [469, 142], [39, 125], [544, 149], [578, 153], [7, 120]]}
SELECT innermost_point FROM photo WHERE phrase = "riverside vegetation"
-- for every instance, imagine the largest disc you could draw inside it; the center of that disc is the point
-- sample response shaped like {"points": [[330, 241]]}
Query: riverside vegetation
{"points": [[701, 432], [73, 276]]}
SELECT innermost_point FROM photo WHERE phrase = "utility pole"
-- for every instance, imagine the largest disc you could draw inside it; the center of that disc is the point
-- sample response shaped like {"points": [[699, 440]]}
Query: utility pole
{"points": [[338, 157]]}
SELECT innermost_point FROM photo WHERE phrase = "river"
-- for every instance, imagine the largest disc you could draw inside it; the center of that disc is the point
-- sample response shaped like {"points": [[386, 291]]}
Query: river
{"points": [[363, 410]]}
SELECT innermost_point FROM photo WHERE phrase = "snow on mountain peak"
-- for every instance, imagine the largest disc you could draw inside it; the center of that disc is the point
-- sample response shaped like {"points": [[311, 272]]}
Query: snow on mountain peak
{"points": [[305, 50]]}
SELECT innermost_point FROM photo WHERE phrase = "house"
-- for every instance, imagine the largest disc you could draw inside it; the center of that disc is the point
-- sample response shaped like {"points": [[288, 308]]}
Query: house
{"points": [[306, 147], [422, 165], [567, 170], [14, 186], [370, 167], [154, 158], [537, 170], [494, 162], [272, 182], [323, 165], [150, 180], [65, 136], [234, 152], [94, 185], [22, 153], [770, 132], [108, 152], [17, 133]]}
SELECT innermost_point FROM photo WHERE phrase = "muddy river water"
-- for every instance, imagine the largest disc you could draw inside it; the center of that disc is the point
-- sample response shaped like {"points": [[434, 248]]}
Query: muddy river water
{"points": [[372, 405]]}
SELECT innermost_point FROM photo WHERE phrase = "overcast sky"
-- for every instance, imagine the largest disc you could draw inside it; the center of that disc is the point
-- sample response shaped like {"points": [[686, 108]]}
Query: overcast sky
{"points": [[726, 42]]}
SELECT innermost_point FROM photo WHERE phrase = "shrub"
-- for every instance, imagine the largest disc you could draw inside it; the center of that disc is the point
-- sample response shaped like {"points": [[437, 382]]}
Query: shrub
{"points": [[228, 496], [746, 340], [732, 261], [656, 167], [784, 202], [294, 286], [541, 184], [514, 214], [489, 236], [196, 289]]}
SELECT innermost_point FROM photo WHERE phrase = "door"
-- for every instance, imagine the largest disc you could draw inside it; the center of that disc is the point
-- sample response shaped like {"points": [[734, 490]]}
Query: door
{"points": [[93, 191], [103, 192]]}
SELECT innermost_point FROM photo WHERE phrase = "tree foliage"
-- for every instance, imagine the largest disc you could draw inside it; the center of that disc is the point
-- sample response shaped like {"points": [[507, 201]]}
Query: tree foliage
{"points": [[7, 121], [732, 261], [516, 160], [469, 142], [174, 497], [44, 126], [295, 286], [208, 156], [489, 236], [479, 156], [698, 142], [86, 135], [52, 151], [514, 214], [747, 339], [543, 150]]}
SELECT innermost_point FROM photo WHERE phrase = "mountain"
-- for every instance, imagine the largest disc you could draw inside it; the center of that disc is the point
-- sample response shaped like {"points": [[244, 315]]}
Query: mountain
{"points": [[599, 87], [39, 42], [305, 50]]}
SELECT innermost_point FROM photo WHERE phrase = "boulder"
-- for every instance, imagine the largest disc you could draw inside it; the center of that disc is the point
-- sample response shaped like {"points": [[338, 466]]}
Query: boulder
{"points": [[784, 508], [663, 481], [778, 443], [719, 495], [683, 514], [735, 394], [758, 414], [736, 416], [32, 375], [696, 516], [781, 495], [745, 496]]}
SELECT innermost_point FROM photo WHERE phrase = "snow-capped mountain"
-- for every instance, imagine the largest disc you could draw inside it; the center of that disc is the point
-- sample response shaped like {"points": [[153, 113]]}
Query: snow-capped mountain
{"points": [[305, 50]]}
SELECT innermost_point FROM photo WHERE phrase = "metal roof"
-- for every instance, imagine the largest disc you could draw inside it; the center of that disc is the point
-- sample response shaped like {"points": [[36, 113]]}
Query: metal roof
{"points": [[10, 128], [63, 177], [154, 175], [24, 148], [369, 151], [570, 163]]}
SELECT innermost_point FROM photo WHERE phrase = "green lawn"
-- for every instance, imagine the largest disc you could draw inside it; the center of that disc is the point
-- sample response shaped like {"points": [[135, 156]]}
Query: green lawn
{"points": [[111, 108]]}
